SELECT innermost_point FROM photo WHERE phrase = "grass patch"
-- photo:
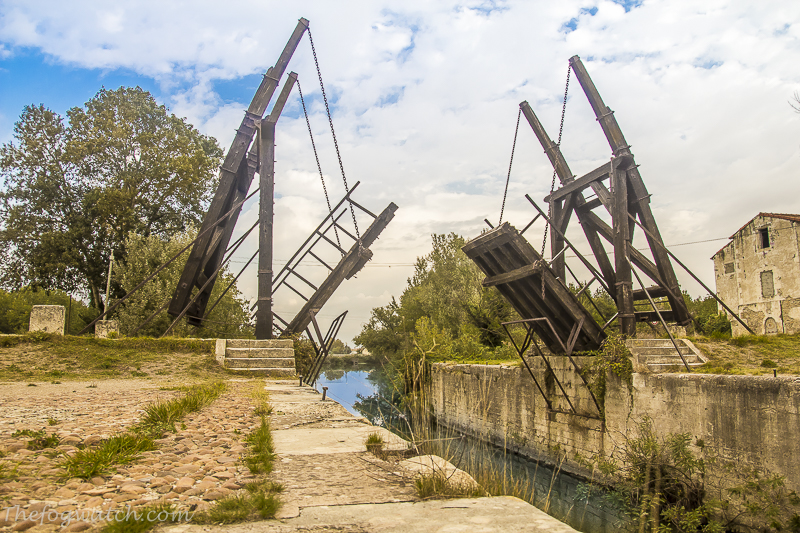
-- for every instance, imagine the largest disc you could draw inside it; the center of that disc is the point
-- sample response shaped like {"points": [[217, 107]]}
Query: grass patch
{"points": [[141, 520], [375, 444], [126, 447], [39, 440], [161, 416], [438, 485], [258, 500], [750, 354], [100, 460], [261, 455], [44, 357]]}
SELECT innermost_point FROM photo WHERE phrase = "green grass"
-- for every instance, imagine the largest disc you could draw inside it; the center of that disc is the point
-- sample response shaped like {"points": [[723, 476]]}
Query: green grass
{"points": [[100, 460], [438, 485], [258, 500], [375, 443], [750, 354], [39, 440], [144, 519], [44, 357], [261, 453], [140, 344], [126, 447], [161, 416]]}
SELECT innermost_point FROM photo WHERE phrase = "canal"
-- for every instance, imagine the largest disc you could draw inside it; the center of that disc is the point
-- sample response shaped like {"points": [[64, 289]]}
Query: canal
{"points": [[366, 392]]}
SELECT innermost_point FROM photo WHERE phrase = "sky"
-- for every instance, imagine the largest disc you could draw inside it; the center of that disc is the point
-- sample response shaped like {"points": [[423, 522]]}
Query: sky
{"points": [[424, 98]]}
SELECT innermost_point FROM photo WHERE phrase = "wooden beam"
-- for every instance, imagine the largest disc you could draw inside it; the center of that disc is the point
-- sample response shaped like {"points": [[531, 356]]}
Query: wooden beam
{"points": [[348, 266], [203, 257], [640, 196], [513, 275], [598, 174], [565, 176]]}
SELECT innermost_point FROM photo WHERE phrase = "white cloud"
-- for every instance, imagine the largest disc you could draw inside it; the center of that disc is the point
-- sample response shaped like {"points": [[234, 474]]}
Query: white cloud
{"points": [[425, 97]]}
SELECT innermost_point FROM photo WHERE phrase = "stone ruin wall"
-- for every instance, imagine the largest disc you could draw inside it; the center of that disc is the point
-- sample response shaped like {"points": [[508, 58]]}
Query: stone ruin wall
{"points": [[751, 420]]}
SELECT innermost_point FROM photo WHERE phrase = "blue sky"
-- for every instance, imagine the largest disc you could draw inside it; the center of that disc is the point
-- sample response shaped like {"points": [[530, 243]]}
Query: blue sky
{"points": [[425, 96]]}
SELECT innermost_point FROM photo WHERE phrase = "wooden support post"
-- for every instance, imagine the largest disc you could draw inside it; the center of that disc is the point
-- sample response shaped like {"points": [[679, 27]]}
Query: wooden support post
{"points": [[265, 217], [266, 211], [208, 250], [557, 240], [627, 317], [640, 198], [577, 200]]}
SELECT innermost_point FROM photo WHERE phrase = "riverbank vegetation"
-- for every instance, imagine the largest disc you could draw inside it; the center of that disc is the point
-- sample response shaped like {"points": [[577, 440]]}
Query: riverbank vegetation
{"points": [[445, 314], [673, 484]]}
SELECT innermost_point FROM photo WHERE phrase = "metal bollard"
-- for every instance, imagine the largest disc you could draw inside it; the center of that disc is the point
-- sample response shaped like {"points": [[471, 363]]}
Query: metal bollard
{"points": [[324, 393], [774, 373]]}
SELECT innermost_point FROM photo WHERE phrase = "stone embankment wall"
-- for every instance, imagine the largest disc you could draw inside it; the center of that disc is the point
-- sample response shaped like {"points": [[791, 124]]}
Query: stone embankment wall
{"points": [[750, 420]]}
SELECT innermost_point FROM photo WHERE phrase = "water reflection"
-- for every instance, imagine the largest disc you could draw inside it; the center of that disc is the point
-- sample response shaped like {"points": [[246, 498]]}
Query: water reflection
{"points": [[368, 393]]}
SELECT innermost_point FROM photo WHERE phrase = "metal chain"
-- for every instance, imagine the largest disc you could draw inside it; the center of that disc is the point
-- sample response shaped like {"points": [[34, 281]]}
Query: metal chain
{"points": [[508, 177], [316, 156], [555, 167], [333, 133]]}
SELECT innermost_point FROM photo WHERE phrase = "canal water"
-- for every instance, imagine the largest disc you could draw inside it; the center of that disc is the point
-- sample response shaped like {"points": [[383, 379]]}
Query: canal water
{"points": [[365, 392]]}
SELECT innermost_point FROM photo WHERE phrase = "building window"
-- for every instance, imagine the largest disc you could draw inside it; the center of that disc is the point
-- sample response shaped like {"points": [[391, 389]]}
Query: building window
{"points": [[767, 284], [763, 237], [729, 268]]}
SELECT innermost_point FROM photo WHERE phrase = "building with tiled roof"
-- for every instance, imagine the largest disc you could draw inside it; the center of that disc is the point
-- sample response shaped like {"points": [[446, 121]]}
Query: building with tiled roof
{"points": [[758, 274]]}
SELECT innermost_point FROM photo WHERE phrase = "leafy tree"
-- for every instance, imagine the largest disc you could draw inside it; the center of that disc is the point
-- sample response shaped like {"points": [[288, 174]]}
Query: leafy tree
{"points": [[15, 309], [73, 191], [444, 307], [230, 318], [339, 347]]}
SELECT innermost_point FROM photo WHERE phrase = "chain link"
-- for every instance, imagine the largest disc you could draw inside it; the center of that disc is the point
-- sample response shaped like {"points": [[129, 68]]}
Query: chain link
{"points": [[333, 133], [319, 167], [555, 167], [508, 177]]}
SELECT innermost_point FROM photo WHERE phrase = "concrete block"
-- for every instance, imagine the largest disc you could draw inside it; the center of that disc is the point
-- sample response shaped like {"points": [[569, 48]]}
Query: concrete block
{"points": [[104, 328], [219, 350], [47, 318]]}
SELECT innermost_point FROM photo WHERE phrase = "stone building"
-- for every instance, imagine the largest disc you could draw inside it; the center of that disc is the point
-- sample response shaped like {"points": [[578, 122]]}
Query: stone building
{"points": [[758, 274]]}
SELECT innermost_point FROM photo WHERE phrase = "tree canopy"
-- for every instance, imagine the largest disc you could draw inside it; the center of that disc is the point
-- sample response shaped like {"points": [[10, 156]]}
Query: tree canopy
{"points": [[444, 305], [73, 191], [229, 318]]}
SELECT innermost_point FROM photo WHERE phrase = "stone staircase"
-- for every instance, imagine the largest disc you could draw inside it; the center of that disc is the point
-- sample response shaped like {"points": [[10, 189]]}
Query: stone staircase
{"points": [[273, 357], [659, 355]]}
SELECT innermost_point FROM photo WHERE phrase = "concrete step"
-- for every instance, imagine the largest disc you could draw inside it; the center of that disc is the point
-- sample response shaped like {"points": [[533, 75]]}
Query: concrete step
{"points": [[266, 371], [253, 343], [263, 353], [669, 359], [652, 343], [662, 350], [259, 362], [661, 367]]}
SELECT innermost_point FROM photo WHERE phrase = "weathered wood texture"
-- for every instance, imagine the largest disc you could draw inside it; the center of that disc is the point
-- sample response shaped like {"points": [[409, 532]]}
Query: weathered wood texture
{"points": [[639, 198], [516, 269], [235, 177], [353, 261]]}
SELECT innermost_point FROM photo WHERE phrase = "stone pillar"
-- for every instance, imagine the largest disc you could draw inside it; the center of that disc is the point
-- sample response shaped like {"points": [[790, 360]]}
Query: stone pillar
{"points": [[104, 328], [47, 318]]}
